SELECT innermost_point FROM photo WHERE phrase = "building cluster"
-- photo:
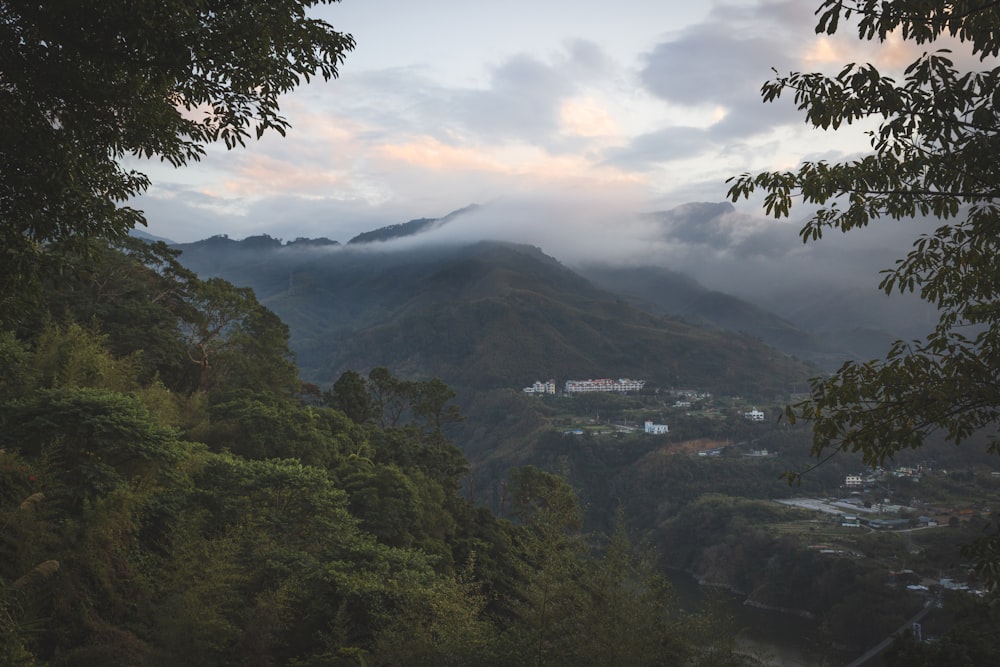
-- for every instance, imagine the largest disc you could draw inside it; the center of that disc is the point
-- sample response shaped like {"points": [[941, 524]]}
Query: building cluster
{"points": [[875, 475], [853, 481], [692, 394], [539, 387], [754, 415], [619, 386], [760, 454]]}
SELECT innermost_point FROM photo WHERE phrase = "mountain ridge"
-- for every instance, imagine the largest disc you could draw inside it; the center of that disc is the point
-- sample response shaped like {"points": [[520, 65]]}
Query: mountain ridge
{"points": [[483, 314]]}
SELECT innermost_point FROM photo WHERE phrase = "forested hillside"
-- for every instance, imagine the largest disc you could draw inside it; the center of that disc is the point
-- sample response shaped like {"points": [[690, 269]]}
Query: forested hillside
{"points": [[483, 315], [171, 493]]}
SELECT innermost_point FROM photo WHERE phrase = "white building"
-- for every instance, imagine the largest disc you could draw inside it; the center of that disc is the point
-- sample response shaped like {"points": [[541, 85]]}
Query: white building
{"points": [[656, 429], [541, 388], [620, 386], [754, 415], [853, 480]]}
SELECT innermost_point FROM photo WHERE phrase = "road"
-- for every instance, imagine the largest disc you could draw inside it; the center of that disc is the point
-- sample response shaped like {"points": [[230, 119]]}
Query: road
{"points": [[884, 644]]}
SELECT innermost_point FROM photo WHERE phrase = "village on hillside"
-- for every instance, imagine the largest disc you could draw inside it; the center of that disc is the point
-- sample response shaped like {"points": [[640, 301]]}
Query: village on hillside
{"points": [[683, 399]]}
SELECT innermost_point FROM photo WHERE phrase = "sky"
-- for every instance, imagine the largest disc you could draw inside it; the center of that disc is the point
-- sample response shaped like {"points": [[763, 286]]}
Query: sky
{"points": [[567, 120]]}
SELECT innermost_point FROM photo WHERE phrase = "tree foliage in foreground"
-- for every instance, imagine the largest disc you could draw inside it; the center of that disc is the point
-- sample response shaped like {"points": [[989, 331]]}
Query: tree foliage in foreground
{"points": [[84, 85], [933, 155]]}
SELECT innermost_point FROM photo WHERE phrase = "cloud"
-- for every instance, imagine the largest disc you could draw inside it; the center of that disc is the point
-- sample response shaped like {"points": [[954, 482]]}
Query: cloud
{"points": [[402, 144], [571, 227], [723, 61], [671, 143], [429, 153], [737, 250], [586, 117], [569, 140], [531, 100]]}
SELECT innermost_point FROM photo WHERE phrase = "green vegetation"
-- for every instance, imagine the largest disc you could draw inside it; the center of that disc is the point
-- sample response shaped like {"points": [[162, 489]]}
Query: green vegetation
{"points": [[172, 493], [965, 635], [182, 498]]}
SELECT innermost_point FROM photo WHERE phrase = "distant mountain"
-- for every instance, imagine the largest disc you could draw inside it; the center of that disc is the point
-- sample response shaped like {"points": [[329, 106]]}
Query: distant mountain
{"points": [[667, 292], [866, 318], [482, 315], [139, 234], [826, 320], [693, 219], [411, 228], [821, 322]]}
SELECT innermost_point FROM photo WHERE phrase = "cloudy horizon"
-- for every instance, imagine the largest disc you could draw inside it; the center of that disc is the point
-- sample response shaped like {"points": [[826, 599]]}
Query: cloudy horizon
{"points": [[444, 104], [570, 122]]}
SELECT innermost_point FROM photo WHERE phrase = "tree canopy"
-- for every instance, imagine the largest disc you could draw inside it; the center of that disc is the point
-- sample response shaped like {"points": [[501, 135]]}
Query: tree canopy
{"points": [[933, 156], [167, 493], [84, 85]]}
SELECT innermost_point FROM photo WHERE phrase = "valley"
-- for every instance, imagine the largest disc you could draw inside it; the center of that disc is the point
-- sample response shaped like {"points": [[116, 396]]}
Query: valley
{"points": [[732, 522], [490, 318]]}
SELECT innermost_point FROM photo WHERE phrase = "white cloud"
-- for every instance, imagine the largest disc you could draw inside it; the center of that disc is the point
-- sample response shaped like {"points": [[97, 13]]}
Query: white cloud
{"points": [[571, 118]]}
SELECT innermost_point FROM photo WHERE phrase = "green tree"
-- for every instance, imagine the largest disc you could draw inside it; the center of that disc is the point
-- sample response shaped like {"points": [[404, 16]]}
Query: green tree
{"points": [[317, 589], [430, 403], [90, 441], [550, 597], [83, 509], [86, 84], [71, 356], [445, 627], [633, 616], [134, 292], [257, 354], [349, 394], [933, 155], [234, 341], [572, 607], [16, 372], [141, 304], [260, 425], [390, 396]]}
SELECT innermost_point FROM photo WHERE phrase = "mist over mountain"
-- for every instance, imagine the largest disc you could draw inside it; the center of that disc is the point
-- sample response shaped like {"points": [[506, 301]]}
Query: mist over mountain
{"points": [[825, 289], [487, 314], [432, 297], [826, 343], [411, 228]]}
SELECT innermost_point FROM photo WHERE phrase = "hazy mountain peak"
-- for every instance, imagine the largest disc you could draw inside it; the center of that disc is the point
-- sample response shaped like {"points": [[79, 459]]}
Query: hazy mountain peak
{"points": [[146, 236], [410, 228], [320, 242], [698, 210]]}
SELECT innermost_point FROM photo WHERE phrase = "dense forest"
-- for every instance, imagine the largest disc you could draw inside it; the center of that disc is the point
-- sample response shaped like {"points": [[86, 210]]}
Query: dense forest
{"points": [[172, 493]]}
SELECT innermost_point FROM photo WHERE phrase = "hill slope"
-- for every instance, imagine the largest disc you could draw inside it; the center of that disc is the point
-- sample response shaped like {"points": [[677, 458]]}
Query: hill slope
{"points": [[666, 292], [483, 315]]}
